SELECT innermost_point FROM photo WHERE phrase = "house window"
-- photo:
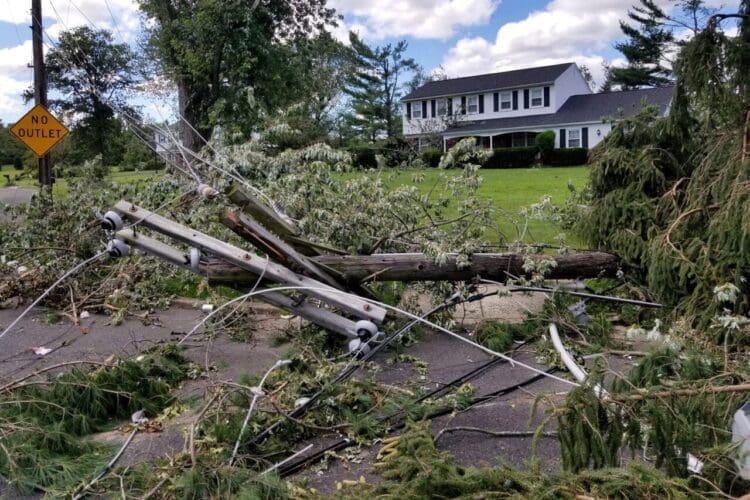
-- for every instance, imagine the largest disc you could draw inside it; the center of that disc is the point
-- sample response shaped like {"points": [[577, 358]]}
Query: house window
{"points": [[574, 138], [506, 100], [416, 110], [442, 107], [473, 104], [537, 98]]}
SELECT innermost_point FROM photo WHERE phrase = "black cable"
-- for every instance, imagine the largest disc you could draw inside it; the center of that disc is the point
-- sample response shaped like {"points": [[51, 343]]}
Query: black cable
{"points": [[349, 370], [343, 443]]}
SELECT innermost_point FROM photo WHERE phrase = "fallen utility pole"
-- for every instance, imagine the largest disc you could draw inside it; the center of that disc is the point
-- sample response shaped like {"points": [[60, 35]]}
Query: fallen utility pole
{"points": [[409, 267], [253, 263], [322, 317]]}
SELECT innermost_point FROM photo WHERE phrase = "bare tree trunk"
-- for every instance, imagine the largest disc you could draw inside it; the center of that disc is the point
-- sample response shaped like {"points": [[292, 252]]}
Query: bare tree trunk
{"points": [[420, 267], [190, 138]]}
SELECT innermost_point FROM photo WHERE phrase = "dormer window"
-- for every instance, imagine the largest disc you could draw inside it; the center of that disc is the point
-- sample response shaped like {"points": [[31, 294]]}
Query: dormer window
{"points": [[473, 104], [537, 97], [506, 100], [416, 110]]}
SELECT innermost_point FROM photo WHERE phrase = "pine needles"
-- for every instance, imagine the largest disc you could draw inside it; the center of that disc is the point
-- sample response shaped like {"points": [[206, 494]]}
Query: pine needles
{"points": [[42, 422], [671, 196]]}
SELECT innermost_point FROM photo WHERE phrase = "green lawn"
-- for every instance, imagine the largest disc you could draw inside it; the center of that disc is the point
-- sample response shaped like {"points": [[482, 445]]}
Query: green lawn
{"points": [[61, 186], [511, 190]]}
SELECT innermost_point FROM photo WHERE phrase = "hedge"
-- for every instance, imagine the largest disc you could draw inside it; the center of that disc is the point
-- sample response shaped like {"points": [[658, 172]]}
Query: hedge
{"points": [[566, 157], [512, 158], [363, 156], [431, 157]]}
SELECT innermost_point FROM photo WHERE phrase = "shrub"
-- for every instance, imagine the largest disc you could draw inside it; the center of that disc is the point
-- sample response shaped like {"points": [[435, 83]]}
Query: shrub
{"points": [[566, 157], [431, 157], [397, 151], [545, 141], [18, 163], [363, 156], [512, 158]]}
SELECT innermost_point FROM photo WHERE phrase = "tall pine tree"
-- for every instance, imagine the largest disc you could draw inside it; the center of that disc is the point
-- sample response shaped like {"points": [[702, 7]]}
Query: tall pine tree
{"points": [[644, 49], [374, 88]]}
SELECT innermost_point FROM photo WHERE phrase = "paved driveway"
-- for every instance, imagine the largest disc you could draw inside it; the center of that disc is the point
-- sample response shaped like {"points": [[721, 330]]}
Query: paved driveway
{"points": [[16, 195]]}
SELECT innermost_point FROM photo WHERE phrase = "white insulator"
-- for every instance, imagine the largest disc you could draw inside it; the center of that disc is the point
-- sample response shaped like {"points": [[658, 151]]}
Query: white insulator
{"points": [[357, 347], [112, 221], [365, 328], [117, 249], [194, 258], [207, 191]]}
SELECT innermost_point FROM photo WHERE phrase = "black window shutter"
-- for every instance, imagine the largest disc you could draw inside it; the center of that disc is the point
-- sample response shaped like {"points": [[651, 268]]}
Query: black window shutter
{"points": [[525, 98], [408, 110], [546, 97], [481, 103], [585, 137], [463, 105], [496, 102], [515, 99], [450, 106], [424, 109], [562, 138], [432, 105]]}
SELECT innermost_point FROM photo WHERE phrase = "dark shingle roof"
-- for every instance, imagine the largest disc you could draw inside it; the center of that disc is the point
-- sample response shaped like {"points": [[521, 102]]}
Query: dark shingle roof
{"points": [[581, 109], [487, 83]]}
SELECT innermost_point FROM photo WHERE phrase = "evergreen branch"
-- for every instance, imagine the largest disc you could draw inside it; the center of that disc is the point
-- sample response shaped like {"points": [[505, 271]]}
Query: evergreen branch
{"points": [[643, 395]]}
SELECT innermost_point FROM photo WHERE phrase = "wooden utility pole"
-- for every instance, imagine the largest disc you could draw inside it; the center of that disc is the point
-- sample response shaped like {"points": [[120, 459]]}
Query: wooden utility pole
{"points": [[40, 82]]}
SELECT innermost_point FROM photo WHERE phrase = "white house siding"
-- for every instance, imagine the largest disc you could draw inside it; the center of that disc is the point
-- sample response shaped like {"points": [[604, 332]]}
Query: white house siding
{"points": [[568, 84], [594, 138], [421, 126]]}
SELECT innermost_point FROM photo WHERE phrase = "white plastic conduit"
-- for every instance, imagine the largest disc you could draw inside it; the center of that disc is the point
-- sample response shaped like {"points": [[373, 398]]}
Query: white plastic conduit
{"points": [[577, 372]]}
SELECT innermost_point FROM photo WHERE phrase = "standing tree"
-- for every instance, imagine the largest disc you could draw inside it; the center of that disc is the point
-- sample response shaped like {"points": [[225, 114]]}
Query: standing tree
{"points": [[230, 59], [651, 41], [92, 75], [374, 88], [644, 49]]}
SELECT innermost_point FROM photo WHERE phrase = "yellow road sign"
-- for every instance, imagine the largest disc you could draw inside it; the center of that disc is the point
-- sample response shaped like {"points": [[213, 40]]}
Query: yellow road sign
{"points": [[39, 130]]}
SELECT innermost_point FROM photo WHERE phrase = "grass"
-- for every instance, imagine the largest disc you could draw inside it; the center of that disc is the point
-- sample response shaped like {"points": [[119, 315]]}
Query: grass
{"points": [[510, 190], [61, 185]]}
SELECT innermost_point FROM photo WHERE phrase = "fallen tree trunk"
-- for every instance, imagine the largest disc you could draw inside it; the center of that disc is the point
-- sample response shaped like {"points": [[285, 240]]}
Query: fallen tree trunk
{"points": [[420, 267]]}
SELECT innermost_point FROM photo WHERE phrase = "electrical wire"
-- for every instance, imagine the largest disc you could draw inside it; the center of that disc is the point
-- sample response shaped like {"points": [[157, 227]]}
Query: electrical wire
{"points": [[256, 394], [54, 285]]}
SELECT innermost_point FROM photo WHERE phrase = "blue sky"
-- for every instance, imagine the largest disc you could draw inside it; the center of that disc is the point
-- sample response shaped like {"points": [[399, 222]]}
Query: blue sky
{"points": [[465, 37]]}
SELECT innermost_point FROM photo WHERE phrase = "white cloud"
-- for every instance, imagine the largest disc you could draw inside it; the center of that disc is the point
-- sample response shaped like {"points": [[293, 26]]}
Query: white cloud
{"points": [[123, 20], [58, 15], [14, 60], [566, 30], [11, 104], [428, 19]]}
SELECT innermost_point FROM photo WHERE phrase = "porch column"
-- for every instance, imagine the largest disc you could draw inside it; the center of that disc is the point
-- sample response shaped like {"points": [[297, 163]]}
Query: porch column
{"points": [[491, 147], [419, 144], [445, 145]]}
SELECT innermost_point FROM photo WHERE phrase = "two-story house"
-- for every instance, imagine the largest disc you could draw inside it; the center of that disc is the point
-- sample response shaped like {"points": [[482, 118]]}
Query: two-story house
{"points": [[509, 109]]}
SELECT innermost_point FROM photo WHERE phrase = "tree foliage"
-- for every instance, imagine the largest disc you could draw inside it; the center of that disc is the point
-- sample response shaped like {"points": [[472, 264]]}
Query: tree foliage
{"points": [[670, 195], [374, 87], [231, 62], [644, 48], [92, 75]]}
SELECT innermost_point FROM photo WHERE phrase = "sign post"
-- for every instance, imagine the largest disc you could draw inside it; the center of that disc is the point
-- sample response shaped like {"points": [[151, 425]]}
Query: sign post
{"points": [[39, 131]]}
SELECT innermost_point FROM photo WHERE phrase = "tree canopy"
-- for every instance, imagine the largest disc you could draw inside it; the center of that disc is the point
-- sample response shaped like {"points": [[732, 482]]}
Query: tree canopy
{"points": [[374, 87], [92, 75], [232, 60]]}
